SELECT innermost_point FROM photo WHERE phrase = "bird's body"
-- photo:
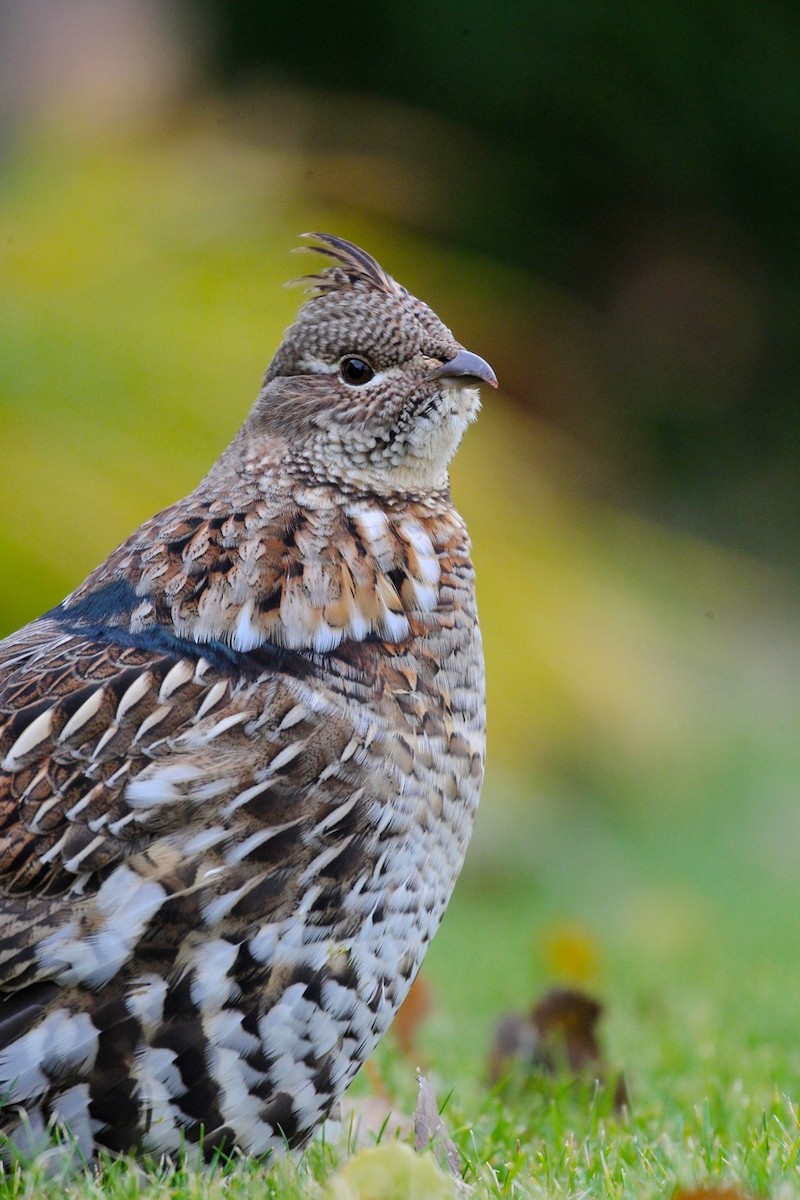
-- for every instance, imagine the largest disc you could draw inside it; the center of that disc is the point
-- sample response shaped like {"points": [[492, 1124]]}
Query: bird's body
{"points": [[239, 765]]}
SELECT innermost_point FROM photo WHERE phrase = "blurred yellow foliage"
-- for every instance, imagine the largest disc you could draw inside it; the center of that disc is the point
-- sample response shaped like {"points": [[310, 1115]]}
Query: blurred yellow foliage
{"points": [[569, 952]]}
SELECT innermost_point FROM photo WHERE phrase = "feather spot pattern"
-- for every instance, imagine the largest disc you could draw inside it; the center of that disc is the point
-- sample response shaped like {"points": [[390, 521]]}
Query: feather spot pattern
{"points": [[239, 764]]}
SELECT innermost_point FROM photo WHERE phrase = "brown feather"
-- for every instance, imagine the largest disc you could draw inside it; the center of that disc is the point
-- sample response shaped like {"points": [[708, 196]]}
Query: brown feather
{"points": [[239, 764]]}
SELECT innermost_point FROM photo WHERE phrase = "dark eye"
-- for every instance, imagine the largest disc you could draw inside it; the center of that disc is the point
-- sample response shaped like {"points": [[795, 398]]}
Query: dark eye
{"points": [[355, 370]]}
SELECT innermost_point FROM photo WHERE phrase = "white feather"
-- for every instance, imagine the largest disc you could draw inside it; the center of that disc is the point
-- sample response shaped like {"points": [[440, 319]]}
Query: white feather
{"points": [[145, 1000], [247, 633], [85, 713], [160, 785], [137, 690], [31, 737], [211, 986]]}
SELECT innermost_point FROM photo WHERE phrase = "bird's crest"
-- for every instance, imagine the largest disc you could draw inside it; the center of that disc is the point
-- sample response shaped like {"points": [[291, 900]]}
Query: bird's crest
{"points": [[353, 267]]}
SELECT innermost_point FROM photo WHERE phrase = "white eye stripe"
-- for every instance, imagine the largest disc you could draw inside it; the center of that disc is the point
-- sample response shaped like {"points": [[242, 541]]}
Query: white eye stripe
{"points": [[317, 366]]}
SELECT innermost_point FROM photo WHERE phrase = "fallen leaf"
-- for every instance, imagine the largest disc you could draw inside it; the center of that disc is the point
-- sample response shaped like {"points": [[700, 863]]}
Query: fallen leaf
{"points": [[391, 1172], [711, 1193], [559, 1033], [515, 1044], [430, 1130], [412, 1012], [566, 1024]]}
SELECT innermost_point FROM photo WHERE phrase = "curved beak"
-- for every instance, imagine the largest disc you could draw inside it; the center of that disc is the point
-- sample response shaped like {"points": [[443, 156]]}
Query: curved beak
{"points": [[466, 364]]}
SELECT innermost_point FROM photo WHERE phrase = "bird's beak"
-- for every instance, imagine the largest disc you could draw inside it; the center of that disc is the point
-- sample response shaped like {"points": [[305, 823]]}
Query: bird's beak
{"points": [[466, 364]]}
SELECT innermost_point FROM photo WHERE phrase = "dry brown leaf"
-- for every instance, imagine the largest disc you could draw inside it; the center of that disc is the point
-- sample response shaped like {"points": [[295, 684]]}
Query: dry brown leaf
{"points": [[711, 1193], [430, 1131], [412, 1012], [559, 1033], [566, 1024], [515, 1044]]}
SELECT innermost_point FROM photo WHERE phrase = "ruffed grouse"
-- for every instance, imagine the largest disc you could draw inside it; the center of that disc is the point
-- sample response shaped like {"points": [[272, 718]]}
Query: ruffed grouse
{"points": [[239, 765]]}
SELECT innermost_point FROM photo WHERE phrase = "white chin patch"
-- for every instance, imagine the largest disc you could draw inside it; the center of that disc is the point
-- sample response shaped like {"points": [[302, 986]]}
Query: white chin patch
{"points": [[436, 441]]}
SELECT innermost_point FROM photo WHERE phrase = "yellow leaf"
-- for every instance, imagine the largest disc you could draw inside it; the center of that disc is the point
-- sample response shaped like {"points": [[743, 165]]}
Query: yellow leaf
{"points": [[391, 1172]]}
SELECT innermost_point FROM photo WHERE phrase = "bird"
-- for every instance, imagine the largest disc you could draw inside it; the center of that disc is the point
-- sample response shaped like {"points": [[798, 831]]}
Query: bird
{"points": [[240, 763]]}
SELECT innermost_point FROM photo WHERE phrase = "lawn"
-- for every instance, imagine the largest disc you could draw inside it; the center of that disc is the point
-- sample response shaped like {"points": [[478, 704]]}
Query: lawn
{"points": [[639, 831]]}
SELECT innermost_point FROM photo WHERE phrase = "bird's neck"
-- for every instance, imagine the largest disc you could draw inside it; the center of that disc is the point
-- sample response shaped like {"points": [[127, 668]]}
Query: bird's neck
{"points": [[307, 571]]}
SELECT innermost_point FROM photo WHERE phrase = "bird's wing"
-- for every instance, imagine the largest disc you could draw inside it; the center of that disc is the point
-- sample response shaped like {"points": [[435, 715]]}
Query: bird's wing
{"points": [[174, 768], [80, 720]]}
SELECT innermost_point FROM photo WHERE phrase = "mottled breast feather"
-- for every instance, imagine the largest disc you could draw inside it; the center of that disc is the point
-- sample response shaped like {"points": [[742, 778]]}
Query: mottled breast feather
{"points": [[239, 765]]}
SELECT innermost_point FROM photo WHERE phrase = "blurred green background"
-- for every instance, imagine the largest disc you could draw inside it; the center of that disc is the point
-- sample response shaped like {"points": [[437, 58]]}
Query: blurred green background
{"points": [[600, 200]]}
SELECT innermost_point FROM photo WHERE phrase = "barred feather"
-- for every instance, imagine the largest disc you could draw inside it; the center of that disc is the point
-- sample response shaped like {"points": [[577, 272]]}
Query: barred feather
{"points": [[239, 764]]}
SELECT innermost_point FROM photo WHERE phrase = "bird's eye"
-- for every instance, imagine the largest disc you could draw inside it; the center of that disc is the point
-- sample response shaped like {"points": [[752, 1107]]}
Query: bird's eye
{"points": [[355, 371]]}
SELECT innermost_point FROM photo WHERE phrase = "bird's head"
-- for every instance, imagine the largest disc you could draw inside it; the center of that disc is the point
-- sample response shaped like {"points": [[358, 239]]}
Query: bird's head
{"points": [[369, 389]]}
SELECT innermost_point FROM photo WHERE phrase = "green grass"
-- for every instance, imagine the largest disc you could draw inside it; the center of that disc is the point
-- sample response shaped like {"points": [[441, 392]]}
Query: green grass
{"points": [[700, 1014], [643, 688]]}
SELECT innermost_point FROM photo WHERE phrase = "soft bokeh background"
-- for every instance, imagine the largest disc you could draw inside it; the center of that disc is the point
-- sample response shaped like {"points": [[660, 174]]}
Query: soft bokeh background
{"points": [[600, 201]]}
